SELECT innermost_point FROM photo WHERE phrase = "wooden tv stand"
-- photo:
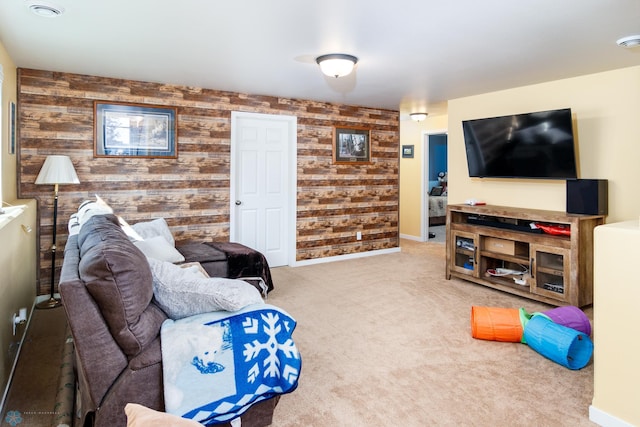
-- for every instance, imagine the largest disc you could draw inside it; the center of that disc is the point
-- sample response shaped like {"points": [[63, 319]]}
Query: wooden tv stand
{"points": [[559, 268]]}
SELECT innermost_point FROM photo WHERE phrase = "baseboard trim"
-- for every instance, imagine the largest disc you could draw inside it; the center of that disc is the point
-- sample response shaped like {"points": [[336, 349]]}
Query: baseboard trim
{"points": [[410, 237], [604, 419], [17, 356], [41, 298], [345, 257]]}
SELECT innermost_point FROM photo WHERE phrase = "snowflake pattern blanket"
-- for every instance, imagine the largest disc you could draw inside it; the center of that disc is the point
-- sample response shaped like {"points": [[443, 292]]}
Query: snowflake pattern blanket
{"points": [[217, 364]]}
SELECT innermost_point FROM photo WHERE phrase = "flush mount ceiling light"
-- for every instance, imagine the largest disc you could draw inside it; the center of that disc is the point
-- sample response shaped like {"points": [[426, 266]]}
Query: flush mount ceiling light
{"points": [[418, 117], [336, 64], [47, 10], [629, 41]]}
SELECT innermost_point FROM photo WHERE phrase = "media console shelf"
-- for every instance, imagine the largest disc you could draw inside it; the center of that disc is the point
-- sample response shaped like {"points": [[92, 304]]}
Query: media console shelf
{"points": [[489, 244]]}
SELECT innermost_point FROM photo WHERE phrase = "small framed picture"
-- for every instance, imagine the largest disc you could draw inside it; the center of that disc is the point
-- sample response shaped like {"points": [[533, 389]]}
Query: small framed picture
{"points": [[134, 130], [351, 145], [12, 127], [407, 151]]}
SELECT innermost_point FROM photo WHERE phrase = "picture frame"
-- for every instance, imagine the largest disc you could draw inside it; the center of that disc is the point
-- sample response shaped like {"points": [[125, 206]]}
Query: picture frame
{"points": [[12, 127], [351, 145], [134, 130], [407, 151]]}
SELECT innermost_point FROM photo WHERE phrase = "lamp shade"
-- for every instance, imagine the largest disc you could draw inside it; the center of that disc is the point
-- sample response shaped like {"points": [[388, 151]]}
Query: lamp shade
{"points": [[336, 64], [57, 170]]}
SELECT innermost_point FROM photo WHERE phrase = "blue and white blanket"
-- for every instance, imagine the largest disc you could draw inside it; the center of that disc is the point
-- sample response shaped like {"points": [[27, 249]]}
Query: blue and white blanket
{"points": [[217, 364]]}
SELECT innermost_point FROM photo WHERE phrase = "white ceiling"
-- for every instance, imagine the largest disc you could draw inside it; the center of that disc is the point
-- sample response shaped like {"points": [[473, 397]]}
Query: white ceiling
{"points": [[413, 54]]}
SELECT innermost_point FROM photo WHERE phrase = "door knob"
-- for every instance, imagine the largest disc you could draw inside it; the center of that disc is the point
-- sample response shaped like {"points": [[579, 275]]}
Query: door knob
{"points": [[238, 202]]}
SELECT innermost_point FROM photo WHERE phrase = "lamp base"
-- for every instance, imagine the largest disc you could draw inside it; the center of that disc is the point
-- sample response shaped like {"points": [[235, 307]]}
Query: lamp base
{"points": [[49, 303]]}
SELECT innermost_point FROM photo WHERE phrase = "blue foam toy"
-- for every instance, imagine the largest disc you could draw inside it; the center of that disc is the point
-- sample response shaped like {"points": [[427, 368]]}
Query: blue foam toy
{"points": [[568, 347]]}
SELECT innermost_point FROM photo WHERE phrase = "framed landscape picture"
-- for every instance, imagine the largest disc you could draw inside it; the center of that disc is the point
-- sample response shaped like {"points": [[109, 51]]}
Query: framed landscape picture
{"points": [[407, 151], [134, 130], [351, 145]]}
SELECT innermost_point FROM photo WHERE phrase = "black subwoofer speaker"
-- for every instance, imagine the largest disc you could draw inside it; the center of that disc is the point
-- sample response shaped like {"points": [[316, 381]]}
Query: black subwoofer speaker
{"points": [[587, 196]]}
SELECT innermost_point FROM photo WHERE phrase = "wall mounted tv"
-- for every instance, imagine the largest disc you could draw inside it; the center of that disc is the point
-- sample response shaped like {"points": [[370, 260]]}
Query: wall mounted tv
{"points": [[532, 145]]}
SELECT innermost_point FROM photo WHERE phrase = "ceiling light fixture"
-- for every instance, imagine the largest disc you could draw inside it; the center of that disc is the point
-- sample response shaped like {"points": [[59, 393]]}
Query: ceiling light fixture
{"points": [[418, 117], [629, 41], [336, 64], [45, 9]]}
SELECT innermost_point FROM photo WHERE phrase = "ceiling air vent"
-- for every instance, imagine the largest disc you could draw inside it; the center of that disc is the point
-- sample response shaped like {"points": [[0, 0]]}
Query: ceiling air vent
{"points": [[630, 41]]}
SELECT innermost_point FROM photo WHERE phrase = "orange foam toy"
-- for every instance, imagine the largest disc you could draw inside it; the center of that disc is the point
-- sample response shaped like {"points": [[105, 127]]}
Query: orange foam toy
{"points": [[496, 324]]}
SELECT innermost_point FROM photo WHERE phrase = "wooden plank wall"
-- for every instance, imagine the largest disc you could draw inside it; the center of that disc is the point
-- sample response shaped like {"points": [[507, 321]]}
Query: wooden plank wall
{"points": [[192, 192]]}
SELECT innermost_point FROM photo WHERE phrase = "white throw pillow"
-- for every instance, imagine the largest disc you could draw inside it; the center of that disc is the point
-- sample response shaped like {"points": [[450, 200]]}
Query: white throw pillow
{"points": [[129, 231], [184, 292], [156, 227], [158, 248]]}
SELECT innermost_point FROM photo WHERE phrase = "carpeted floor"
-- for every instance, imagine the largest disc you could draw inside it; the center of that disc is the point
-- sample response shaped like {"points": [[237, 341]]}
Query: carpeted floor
{"points": [[42, 388], [385, 341]]}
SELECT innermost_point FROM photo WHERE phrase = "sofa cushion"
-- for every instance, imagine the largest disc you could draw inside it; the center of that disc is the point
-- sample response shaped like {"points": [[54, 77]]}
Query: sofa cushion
{"points": [[211, 259], [202, 253], [118, 277]]}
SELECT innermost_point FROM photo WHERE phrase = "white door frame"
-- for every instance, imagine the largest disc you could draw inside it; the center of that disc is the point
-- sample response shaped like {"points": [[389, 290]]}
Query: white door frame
{"points": [[424, 200], [292, 122]]}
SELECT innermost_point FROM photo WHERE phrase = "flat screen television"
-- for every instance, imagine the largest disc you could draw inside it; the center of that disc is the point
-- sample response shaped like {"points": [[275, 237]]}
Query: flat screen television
{"points": [[532, 145]]}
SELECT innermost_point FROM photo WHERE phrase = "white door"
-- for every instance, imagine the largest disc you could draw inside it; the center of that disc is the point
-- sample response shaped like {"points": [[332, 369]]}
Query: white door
{"points": [[263, 184]]}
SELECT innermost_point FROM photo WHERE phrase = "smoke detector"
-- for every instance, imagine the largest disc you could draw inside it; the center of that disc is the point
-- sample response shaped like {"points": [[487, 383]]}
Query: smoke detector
{"points": [[45, 9], [629, 41]]}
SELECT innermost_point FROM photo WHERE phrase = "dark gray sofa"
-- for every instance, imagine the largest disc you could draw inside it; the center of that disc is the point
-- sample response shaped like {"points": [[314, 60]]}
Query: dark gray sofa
{"points": [[106, 289]]}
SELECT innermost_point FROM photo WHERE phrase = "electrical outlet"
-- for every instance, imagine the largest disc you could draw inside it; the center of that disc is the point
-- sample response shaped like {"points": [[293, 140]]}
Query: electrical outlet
{"points": [[19, 318], [359, 235]]}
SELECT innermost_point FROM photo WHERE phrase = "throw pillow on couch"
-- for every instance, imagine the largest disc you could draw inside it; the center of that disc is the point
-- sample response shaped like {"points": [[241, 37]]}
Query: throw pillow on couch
{"points": [[157, 247], [183, 292], [155, 239], [141, 416], [153, 228]]}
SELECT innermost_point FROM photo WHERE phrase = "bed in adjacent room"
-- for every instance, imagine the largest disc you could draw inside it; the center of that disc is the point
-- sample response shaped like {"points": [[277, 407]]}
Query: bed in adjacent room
{"points": [[437, 210]]}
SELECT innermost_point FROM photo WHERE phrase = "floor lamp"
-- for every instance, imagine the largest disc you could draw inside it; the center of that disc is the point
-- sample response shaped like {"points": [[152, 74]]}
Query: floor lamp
{"points": [[56, 170]]}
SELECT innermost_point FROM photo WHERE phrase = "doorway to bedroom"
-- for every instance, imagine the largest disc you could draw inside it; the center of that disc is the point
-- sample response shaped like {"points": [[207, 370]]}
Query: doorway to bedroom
{"points": [[435, 175]]}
